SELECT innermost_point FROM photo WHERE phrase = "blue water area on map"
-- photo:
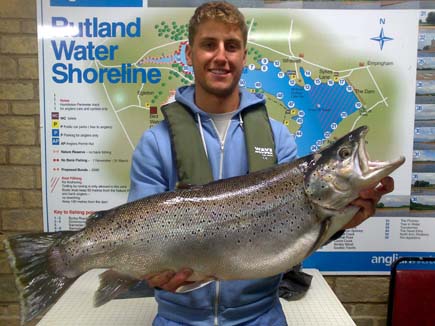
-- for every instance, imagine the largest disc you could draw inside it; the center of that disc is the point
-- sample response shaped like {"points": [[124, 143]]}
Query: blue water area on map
{"points": [[167, 60], [320, 105], [181, 58]]}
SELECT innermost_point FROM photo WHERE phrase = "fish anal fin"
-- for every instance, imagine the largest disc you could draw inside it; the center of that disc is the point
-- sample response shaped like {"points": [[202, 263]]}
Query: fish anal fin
{"points": [[194, 286], [112, 284]]}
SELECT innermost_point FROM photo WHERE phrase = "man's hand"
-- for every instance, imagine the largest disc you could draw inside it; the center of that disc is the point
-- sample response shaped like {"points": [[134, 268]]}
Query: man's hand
{"points": [[367, 201], [169, 280]]}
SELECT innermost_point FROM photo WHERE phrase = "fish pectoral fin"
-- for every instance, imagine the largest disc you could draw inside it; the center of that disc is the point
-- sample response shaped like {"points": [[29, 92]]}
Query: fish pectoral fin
{"points": [[112, 284], [324, 235], [193, 286]]}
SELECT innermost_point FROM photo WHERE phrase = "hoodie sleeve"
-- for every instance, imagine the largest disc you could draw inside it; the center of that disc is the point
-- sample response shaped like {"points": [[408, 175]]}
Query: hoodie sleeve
{"points": [[285, 145], [147, 175]]}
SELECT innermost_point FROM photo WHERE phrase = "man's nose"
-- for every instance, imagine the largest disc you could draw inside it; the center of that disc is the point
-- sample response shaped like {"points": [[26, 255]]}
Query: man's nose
{"points": [[221, 53]]}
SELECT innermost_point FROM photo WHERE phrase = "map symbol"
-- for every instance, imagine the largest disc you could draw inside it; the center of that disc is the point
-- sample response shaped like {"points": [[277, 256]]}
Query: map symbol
{"points": [[382, 38]]}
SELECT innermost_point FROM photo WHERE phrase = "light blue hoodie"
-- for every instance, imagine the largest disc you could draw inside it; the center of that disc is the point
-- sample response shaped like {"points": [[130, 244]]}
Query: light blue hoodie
{"points": [[247, 302]]}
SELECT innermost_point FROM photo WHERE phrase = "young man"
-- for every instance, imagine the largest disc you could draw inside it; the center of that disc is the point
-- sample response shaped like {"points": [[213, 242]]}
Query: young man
{"points": [[217, 114]]}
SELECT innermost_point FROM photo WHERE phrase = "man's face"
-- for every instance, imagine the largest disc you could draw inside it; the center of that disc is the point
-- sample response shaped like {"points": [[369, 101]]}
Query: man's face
{"points": [[218, 56]]}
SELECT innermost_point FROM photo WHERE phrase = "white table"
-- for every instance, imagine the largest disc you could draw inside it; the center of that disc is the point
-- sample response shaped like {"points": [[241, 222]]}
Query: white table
{"points": [[319, 307]]}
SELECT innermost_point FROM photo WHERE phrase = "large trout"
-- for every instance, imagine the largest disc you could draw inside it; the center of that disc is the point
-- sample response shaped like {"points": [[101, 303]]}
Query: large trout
{"points": [[245, 227]]}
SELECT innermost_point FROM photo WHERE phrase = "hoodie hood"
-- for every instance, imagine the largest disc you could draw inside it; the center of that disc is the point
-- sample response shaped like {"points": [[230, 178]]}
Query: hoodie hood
{"points": [[186, 96]]}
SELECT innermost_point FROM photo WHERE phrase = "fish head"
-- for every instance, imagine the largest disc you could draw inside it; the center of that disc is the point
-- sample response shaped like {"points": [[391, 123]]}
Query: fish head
{"points": [[336, 175]]}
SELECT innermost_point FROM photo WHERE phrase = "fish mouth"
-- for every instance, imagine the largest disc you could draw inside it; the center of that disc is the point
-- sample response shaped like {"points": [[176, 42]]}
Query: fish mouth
{"points": [[372, 171]]}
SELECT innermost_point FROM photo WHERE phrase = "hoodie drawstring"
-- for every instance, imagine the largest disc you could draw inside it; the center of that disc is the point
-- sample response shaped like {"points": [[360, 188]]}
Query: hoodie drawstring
{"points": [[241, 121], [202, 134]]}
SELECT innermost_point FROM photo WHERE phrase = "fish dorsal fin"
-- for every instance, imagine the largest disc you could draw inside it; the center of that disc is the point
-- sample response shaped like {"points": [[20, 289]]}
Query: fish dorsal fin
{"points": [[112, 284], [187, 186], [96, 216], [182, 185]]}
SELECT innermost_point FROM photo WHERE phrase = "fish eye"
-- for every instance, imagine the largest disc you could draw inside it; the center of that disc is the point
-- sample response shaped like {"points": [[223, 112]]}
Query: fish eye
{"points": [[344, 152]]}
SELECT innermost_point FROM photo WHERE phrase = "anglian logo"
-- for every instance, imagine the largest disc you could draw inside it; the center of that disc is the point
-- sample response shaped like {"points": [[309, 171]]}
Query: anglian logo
{"points": [[265, 152]]}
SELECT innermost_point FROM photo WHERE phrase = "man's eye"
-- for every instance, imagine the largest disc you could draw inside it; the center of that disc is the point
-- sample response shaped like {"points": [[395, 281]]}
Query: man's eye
{"points": [[232, 47], [208, 45]]}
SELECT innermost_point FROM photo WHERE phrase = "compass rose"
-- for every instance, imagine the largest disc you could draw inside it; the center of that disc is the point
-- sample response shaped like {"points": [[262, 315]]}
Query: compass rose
{"points": [[382, 38]]}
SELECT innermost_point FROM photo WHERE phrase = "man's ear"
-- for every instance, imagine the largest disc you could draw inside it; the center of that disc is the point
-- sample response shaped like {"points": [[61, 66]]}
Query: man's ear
{"points": [[189, 54]]}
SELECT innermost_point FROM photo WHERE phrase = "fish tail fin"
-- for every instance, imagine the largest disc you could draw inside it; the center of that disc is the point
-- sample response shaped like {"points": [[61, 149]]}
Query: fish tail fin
{"points": [[38, 286]]}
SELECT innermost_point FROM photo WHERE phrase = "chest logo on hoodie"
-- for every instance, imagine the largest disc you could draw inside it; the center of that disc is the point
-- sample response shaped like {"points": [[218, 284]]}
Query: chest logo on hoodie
{"points": [[265, 152]]}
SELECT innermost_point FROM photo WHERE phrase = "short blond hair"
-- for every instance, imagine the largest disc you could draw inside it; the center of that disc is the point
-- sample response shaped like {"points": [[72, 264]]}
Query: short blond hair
{"points": [[219, 11]]}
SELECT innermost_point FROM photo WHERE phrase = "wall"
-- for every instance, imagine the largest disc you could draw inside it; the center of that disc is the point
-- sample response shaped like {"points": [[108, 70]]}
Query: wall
{"points": [[20, 181], [20, 168]]}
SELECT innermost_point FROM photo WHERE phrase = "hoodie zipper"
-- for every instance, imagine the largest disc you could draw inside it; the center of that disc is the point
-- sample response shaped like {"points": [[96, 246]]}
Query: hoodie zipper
{"points": [[221, 165], [222, 146], [216, 303]]}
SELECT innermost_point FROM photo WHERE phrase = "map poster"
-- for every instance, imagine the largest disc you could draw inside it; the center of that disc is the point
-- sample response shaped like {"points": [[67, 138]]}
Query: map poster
{"points": [[106, 70]]}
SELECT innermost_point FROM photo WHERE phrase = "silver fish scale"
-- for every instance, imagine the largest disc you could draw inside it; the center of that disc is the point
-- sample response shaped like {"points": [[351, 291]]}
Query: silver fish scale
{"points": [[243, 227]]}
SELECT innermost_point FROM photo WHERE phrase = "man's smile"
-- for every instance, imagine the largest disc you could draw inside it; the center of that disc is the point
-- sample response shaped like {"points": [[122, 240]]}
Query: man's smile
{"points": [[219, 71]]}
